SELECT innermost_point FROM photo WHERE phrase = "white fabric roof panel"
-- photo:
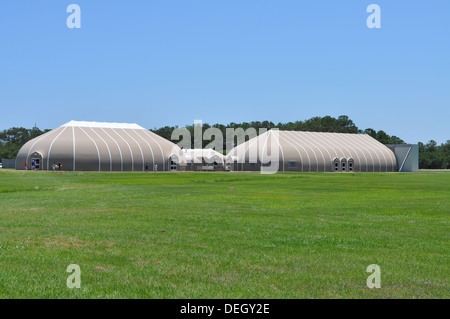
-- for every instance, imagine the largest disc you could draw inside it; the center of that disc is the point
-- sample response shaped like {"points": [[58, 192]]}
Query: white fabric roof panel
{"points": [[131, 126]]}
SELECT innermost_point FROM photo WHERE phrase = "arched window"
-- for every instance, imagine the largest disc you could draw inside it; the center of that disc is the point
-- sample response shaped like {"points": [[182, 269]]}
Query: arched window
{"points": [[344, 164], [350, 164], [336, 165]]}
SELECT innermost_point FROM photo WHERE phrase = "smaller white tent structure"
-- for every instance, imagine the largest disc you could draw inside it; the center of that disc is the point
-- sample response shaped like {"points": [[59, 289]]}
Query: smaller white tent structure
{"points": [[203, 159]]}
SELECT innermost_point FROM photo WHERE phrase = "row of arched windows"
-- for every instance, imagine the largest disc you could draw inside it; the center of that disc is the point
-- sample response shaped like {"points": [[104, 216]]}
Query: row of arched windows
{"points": [[343, 165]]}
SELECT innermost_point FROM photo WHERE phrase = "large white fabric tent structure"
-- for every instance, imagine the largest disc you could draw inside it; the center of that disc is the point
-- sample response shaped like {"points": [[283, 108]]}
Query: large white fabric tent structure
{"points": [[313, 152], [99, 146]]}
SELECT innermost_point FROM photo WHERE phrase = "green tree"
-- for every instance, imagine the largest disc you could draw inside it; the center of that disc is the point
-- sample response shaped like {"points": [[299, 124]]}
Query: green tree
{"points": [[371, 132], [396, 140], [445, 154], [12, 139]]}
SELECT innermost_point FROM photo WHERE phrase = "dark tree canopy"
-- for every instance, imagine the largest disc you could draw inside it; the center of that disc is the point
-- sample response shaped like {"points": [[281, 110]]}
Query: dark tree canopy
{"points": [[432, 155]]}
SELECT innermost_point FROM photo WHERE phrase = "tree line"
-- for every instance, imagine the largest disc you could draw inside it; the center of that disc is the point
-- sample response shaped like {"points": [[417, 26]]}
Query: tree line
{"points": [[342, 124], [431, 155]]}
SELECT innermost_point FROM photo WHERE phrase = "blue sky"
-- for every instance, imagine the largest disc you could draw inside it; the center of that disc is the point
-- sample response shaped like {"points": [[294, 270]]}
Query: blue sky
{"points": [[169, 62]]}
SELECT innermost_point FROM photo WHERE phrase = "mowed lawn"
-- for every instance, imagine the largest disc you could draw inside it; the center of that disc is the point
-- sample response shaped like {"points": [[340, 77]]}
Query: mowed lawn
{"points": [[224, 235]]}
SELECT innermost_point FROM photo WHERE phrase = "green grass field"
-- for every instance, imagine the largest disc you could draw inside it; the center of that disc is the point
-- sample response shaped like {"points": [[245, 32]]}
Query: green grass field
{"points": [[224, 235]]}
